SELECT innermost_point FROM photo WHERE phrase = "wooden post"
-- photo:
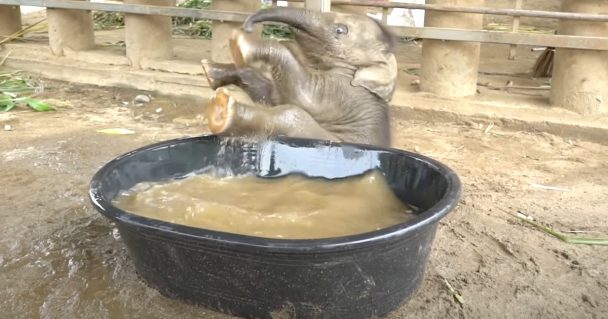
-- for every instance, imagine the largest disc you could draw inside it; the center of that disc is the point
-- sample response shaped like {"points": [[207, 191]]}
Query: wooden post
{"points": [[515, 28], [449, 68], [385, 14], [318, 5], [220, 51], [362, 10], [10, 20], [350, 9], [295, 4], [580, 77], [70, 29], [148, 37]]}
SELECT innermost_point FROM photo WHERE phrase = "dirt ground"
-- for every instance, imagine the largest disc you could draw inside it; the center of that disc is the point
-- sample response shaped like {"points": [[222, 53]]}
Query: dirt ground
{"points": [[61, 259]]}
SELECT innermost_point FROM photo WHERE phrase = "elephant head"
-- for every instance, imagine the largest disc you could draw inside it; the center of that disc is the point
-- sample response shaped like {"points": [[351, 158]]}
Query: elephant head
{"points": [[338, 41]]}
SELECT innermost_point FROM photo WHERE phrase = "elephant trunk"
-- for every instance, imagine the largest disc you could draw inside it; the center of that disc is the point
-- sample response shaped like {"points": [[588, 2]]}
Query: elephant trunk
{"points": [[297, 18]]}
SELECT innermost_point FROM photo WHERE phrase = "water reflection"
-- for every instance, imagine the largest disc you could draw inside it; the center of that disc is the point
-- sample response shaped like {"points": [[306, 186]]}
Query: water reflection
{"points": [[277, 159]]}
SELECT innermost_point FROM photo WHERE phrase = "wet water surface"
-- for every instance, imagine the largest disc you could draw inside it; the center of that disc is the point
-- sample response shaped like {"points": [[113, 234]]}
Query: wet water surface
{"points": [[293, 207]]}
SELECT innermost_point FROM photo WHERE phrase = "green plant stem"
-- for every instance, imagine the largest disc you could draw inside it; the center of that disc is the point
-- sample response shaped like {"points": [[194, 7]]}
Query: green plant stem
{"points": [[563, 237]]}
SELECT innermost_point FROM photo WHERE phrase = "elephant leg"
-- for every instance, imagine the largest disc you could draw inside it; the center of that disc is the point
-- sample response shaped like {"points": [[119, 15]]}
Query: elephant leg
{"points": [[258, 87], [226, 116]]}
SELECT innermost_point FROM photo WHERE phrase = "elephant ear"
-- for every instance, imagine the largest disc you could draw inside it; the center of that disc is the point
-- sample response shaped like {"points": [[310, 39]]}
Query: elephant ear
{"points": [[378, 78]]}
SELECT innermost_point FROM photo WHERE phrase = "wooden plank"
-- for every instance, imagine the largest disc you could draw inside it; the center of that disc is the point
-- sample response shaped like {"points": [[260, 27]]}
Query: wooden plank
{"points": [[560, 41], [515, 28], [135, 9], [549, 40], [480, 10], [240, 16]]}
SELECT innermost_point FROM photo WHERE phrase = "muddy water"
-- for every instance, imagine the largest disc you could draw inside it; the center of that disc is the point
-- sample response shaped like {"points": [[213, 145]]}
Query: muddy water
{"points": [[292, 207]]}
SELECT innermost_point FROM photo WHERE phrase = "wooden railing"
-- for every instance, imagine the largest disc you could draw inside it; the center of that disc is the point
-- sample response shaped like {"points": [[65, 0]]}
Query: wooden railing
{"points": [[515, 38], [449, 69]]}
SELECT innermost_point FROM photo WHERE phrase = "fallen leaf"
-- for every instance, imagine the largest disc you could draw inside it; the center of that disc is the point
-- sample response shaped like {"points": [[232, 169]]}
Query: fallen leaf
{"points": [[38, 105], [6, 104]]}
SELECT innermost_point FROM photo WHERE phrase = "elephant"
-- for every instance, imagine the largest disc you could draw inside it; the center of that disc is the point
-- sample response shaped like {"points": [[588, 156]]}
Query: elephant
{"points": [[333, 82]]}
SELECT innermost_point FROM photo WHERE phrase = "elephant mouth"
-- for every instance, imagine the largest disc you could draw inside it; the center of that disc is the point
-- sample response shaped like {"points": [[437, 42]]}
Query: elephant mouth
{"points": [[305, 33]]}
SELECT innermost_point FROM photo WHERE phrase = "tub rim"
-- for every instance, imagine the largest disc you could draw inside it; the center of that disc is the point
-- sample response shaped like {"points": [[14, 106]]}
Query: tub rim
{"points": [[409, 228]]}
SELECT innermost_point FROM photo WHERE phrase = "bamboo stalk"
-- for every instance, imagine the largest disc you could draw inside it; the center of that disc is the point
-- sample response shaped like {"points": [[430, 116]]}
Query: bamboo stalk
{"points": [[5, 57], [20, 32]]}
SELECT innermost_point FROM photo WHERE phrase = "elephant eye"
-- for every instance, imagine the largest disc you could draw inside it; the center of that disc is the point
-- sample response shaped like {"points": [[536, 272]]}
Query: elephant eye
{"points": [[341, 29]]}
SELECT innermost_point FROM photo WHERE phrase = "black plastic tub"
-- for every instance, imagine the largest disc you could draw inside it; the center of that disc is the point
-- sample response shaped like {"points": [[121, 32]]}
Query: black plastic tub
{"points": [[351, 277]]}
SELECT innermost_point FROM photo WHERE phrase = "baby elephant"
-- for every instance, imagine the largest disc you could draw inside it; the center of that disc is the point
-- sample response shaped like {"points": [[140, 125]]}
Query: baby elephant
{"points": [[333, 82]]}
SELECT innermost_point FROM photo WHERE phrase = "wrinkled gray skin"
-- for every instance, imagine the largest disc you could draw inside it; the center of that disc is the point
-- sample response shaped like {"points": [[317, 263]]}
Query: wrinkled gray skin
{"points": [[333, 82]]}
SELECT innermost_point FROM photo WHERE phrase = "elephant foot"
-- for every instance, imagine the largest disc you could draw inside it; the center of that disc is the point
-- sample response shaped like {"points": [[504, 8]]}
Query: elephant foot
{"points": [[239, 47], [220, 111]]}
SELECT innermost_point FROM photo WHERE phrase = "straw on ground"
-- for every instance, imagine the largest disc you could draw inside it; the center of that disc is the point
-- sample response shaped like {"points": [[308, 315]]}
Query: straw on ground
{"points": [[563, 237]]}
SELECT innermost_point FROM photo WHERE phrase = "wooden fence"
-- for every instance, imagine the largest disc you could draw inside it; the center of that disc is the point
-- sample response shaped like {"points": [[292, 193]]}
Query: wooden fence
{"points": [[582, 42], [562, 41]]}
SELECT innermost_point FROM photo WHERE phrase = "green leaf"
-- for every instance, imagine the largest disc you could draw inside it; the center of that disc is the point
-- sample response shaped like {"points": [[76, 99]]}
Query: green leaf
{"points": [[38, 105], [6, 103]]}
